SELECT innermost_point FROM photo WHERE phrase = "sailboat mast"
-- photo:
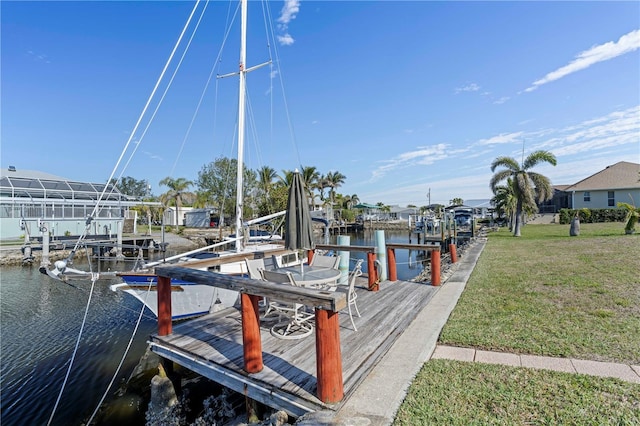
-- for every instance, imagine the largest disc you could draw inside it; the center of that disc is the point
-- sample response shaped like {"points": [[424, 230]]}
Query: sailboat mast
{"points": [[241, 125]]}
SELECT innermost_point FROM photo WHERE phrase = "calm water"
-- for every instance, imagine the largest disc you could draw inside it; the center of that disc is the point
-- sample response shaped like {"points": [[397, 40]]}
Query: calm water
{"points": [[41, 319]]}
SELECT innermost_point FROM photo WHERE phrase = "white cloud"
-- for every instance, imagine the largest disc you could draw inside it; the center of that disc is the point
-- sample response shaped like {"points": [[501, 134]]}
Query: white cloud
{"points": [[613, 130], [603, 52], [473, 87], [501, 100], [286, 39], [421, 156], [582, 149], [502, 139], [467, 187], [38, 57], [152, 155], [287, 14], [289, 11]]}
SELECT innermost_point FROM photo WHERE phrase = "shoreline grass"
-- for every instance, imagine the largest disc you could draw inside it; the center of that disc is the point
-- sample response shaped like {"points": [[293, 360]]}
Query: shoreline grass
{"points": [[550, 294], [545, 293]]}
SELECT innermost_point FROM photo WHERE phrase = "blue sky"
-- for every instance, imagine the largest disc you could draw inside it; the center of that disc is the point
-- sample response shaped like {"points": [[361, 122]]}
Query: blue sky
{"points": [[401, 97]]}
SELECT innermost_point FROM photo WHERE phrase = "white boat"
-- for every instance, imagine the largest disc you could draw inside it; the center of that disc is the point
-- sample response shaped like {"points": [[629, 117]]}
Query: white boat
{"points": [[189, 299]]}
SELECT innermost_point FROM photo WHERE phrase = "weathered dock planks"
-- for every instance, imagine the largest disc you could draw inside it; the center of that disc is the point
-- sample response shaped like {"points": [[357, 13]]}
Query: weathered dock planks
{"points": [[212, 346]]}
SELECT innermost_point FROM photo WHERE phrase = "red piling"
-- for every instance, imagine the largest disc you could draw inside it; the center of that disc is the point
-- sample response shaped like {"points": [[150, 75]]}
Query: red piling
{"points": [[453, 252], [164, 306], [391, 263], [251, 341], [435, 267], [373, 272], [328, 357]]}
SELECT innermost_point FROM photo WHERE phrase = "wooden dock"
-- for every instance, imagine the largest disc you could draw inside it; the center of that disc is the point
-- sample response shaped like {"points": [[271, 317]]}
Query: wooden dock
{"points": [[212, 347]]}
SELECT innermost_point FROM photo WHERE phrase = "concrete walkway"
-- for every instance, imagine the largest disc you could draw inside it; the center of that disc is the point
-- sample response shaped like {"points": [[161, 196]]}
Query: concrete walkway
{"points": [[629, 373]]}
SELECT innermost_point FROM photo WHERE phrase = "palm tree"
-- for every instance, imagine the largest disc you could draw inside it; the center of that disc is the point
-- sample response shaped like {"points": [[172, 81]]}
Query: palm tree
{"points": [[321, 184], [286, 178], [352, 200], [334, 181], [266, 176], [310, 176], [177, 190], [505, 202], [528, 186]]}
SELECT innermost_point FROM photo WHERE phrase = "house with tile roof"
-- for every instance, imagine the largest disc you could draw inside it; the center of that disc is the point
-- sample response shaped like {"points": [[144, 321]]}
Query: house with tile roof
{"points": [[604, 189]]}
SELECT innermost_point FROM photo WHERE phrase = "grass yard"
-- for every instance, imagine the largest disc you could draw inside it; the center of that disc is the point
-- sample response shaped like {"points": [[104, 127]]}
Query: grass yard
{"points": [[546, 293], [449, 392]]}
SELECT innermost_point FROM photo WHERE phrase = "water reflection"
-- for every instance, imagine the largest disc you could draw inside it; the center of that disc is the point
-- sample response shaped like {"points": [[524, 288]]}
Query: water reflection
{"points": [[40, 320]]}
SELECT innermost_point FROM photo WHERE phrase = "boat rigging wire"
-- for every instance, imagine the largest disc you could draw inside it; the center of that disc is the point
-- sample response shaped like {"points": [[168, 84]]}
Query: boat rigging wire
{"points": [[75, 350], [204, 90], [124, 355], [131, 136]]}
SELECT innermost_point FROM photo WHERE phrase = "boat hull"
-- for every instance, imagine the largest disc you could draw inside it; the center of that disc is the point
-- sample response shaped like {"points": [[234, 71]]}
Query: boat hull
{"points": [[187, 299]]}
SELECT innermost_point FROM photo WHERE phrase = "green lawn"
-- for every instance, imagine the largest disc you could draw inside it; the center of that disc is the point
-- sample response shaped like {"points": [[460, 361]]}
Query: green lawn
{"points": [[550, 294], [462, 393], [545, 294]]}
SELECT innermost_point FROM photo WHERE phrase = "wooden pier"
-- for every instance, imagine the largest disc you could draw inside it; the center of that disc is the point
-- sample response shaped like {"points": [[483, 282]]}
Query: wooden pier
{"points": [[212, 346]]}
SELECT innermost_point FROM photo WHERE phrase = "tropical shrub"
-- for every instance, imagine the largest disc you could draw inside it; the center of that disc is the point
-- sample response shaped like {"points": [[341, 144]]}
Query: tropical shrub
{"points": [[632, 216], [593, 215]]}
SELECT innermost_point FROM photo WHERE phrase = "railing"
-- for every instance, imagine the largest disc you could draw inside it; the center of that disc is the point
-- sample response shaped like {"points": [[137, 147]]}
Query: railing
{"points": [[374, 280], [435, 259], [326, 304]]}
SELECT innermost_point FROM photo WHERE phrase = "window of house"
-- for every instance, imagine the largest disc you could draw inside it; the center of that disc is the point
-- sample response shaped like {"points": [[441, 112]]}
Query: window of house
{"points": [[611, 198], [587, 197]]}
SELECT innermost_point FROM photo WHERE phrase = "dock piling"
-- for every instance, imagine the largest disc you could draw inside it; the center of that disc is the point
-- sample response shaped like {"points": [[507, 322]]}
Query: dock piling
{"points": [[453, 252], [251, 341], [391, 259], [328, 357], [164, 306], [435, 267]]}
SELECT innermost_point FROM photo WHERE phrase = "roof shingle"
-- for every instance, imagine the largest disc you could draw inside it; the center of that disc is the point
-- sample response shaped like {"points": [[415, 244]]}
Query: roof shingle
{"points": [[621, 175]]}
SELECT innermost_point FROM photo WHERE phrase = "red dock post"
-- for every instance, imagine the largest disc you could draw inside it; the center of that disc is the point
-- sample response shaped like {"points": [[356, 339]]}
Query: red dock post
{"points": [[251, 341], [435, 267], [310, 254], [164, 306], [391, 263], [454, 253], [373, 272], [328, 357]]}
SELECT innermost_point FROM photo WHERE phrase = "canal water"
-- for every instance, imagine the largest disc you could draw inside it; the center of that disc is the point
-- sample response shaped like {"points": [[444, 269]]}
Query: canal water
{"points": [[41, 319]]}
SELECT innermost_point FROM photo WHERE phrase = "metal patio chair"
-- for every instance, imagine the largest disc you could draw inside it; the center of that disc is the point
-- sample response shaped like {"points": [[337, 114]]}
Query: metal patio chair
{"points": [[295, 322]]}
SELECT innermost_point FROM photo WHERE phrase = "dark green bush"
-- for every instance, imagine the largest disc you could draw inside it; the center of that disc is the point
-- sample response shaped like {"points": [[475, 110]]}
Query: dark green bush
{"points": [[593, 215]]}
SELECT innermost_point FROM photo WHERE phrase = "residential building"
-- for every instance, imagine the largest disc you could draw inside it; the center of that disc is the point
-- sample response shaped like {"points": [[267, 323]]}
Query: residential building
{"points": [[604, 189]]}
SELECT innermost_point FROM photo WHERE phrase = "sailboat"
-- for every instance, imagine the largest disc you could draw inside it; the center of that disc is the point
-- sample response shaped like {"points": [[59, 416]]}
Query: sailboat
{"points": [[190, 299]]}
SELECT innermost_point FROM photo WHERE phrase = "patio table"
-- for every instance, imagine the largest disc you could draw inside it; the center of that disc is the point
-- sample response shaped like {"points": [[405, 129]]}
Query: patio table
{"points": [[312, 276]]}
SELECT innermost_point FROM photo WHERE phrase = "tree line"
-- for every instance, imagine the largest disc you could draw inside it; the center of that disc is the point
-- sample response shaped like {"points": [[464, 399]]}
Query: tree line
{"points": [[516, 187], [265, 191]]}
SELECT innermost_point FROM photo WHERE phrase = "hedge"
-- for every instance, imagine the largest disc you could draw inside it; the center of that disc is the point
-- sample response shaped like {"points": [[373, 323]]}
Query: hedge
{"points": [[593, 215]]}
